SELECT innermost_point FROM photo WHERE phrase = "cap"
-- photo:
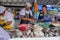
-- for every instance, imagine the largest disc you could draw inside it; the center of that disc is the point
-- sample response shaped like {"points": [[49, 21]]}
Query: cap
{"points": [[2, 9], [28, 4]]}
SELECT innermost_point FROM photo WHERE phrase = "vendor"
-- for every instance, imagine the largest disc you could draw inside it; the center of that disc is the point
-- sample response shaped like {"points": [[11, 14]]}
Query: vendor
{"points": [[7, 17], [26, 15], [43, 16], [10, 10]]}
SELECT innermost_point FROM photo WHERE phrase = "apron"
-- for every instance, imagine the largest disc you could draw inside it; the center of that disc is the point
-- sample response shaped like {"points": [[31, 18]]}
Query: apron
{"points": [[27, 15]]}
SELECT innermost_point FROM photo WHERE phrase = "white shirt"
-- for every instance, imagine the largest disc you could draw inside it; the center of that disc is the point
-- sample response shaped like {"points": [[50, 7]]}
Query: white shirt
{"points": [[8, 17], [23, 11], [9, 10]]}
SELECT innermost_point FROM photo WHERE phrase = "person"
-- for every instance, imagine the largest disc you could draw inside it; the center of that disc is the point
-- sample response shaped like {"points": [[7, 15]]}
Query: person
{"points": [[44, 9], [10, 10], [43, 16], [3, 34], [42, 13], [26, 15], [47, 18], [7, 17]]}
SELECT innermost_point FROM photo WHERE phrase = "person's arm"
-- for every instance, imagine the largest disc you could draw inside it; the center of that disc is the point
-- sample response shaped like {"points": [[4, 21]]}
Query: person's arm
{"points": [[8, 23], [9, 18], [5, 24], [23, 18], [28, 19], [40, 20]]}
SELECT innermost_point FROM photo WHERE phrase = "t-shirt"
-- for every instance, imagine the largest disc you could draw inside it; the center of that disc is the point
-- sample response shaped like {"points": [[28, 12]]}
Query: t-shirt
{"points": [[25, 13]]}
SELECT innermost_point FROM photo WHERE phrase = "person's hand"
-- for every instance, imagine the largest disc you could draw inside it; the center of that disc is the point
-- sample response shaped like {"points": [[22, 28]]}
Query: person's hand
{"points": [[31, 20], [41, 20]]}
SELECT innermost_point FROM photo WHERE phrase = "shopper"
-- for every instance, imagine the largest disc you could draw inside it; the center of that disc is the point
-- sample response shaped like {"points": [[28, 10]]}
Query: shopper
{"points": [[42, 13], [26, 14]]}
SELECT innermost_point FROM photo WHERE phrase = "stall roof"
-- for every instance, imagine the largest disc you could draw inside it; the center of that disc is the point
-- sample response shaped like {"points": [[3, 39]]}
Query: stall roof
{"points": [[42, 2]]}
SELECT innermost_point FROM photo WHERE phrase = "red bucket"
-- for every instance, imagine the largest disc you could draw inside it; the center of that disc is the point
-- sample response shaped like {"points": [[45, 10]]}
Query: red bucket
{"points": [[22, 27]]}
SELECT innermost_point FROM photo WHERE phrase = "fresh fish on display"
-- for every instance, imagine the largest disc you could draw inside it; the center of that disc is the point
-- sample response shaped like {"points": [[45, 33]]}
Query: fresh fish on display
{"points": [[38, 31]]}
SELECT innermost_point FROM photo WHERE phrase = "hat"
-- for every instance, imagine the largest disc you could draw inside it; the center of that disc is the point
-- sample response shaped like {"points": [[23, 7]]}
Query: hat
{"points": [[2, 9], [28, 4]]}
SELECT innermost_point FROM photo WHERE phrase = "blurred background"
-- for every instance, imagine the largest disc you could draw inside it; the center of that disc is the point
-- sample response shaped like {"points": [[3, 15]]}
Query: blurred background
{"points": [[19, 4]]}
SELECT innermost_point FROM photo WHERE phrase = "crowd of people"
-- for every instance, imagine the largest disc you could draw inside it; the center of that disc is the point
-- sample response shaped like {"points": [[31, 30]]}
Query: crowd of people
{"points": [[25, 15]]}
